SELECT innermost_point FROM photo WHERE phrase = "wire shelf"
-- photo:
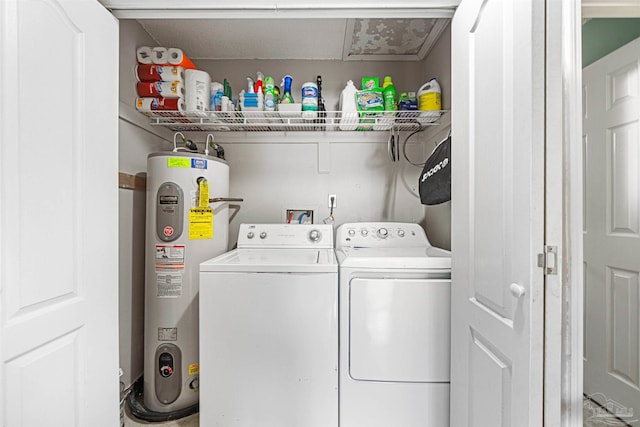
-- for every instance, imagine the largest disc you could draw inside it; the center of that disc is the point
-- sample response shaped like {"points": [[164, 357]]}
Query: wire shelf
{"points": [[270, 121]]}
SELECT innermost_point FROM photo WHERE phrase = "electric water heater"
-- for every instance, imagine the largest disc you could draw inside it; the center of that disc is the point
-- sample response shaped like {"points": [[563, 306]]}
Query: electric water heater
{"points": [[185, 226]]}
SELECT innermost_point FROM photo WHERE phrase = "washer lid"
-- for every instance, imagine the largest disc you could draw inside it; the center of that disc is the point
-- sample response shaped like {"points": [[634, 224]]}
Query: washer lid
{"points": [[274, 260], [404, 258]]}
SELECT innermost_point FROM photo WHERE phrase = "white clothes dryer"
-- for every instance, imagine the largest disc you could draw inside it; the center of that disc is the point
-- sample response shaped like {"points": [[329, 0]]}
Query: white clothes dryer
{"points": [[395, 291], [269, 329]]}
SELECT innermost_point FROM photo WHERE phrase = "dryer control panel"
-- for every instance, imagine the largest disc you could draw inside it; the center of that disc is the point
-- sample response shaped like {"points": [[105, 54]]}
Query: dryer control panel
{"points": [[381, 235]]}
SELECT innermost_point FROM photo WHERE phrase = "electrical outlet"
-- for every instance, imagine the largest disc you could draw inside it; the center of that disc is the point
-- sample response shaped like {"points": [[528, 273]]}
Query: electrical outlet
{"points": [[332, 201]]}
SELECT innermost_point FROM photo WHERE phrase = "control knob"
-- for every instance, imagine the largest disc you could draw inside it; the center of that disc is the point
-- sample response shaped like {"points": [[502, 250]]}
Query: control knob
{"points": [[352, 232], [263, 235], [250, 235], [314, 235], [364, 232], [383, 233], [401, 233], [166, 371]]}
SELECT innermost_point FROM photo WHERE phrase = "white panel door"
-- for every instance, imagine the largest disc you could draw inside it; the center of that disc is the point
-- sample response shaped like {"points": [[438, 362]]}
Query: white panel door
{"points": [[611, 129], [497, 213], [58, 214]]}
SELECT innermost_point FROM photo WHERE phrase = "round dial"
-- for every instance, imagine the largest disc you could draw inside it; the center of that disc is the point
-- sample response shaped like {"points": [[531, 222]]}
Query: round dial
{"points": [[314, 235], [352, 232], [250, 235], [364, 232], [383, 233], [401, 233], [166, 371], [263, 235]]}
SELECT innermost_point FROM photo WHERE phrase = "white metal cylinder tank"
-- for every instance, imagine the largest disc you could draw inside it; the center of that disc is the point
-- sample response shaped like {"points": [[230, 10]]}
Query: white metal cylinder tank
{"points": [[183, 229]]}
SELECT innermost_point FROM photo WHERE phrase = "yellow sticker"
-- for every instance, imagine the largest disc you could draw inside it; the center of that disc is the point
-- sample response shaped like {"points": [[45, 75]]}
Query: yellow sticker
{"points": [[194, 369], [178, 162], [200, 223], [203, 196]]}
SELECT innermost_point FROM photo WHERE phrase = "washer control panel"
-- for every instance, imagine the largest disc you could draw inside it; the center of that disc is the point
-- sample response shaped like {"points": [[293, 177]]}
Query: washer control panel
{"points": [[380, 234], [285, 236]]}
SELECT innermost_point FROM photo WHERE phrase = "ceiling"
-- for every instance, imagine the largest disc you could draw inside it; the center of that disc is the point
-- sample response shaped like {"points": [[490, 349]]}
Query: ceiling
{"points": [[353, 39]]}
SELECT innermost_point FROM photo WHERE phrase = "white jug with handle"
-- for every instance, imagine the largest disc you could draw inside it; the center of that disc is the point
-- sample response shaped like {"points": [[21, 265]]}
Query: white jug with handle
{"points": [[429, 96]]}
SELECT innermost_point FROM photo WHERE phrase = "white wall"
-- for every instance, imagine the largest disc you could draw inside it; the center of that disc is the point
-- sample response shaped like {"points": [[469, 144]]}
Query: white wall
{"points": [[273, 177]]}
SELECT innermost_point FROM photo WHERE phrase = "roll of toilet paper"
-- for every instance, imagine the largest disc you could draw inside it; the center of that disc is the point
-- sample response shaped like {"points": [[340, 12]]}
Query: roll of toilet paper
{"points": [[161, 89], [197, 86], [178, 57], [159, 73], [148, 105], [143, 54], [160, 55]]}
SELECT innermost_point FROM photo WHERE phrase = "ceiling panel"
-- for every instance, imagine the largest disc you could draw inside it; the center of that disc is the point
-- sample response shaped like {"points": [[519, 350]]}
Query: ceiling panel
{"points": [[251, 38], [359, 39]]}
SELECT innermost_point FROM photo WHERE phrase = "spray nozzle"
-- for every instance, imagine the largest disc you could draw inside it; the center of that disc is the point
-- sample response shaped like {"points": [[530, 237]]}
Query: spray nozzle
{"points": [[250, 84]]}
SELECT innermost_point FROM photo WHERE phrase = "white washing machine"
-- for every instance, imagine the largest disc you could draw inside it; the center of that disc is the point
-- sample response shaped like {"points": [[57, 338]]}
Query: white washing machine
{"points": [[395, 291], [269, 329]]}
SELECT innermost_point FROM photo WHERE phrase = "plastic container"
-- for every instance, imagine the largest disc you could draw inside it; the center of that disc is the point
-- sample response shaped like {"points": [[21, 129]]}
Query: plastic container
{"points": [[286, 96], [309, 100], [429, 96], [270, 97], [389, 94], [216, 96], [292, 110], [198, 90], [348, 107]]}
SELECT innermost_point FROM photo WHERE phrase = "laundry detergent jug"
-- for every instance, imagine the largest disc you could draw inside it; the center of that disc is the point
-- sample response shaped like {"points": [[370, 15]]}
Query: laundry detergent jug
{"points": [[429, 96]]}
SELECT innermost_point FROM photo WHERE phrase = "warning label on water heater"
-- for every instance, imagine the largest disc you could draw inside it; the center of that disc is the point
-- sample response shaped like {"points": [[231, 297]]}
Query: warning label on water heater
{"points": [[200, 223], [169, 285], [169, 257], [167, 334]]}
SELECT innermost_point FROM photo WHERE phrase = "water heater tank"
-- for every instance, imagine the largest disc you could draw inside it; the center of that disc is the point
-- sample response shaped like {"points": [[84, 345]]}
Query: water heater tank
{"points": [[183, 229]]}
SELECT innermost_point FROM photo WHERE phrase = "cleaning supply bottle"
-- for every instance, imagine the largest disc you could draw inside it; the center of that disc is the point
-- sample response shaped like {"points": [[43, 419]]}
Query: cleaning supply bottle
{"points": [[270, 96], [309, 100], [258, 85], [250, 85], [429, 96], [286, 96], [389, 94], [348, 107]]}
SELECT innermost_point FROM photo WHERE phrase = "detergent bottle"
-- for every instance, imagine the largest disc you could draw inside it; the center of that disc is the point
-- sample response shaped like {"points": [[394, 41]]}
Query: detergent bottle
{"points": [[348, 107], [429, 96], [389, 94]]}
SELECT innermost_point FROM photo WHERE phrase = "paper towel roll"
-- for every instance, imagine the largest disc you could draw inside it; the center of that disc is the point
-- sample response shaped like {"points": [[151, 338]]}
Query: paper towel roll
{"points": [[160, 55], [178, 57], [147, 105], [143, 54], [158, 73], [161, 89], [197, 86]]}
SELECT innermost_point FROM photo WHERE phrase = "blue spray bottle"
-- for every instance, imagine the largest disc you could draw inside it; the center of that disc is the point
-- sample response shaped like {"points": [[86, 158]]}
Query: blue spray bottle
{"points": [[286, 97]]}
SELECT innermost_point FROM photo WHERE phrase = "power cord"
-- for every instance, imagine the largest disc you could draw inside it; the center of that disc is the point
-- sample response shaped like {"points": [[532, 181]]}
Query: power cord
{"points": [[404, 147]]}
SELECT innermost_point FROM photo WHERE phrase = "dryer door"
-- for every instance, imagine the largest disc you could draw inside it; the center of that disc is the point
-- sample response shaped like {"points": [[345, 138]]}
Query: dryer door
{"points": [[399, 330]]}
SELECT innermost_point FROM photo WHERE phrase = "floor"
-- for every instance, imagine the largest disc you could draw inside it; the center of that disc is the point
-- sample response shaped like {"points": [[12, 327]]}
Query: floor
{"points": [[594, 416]]}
